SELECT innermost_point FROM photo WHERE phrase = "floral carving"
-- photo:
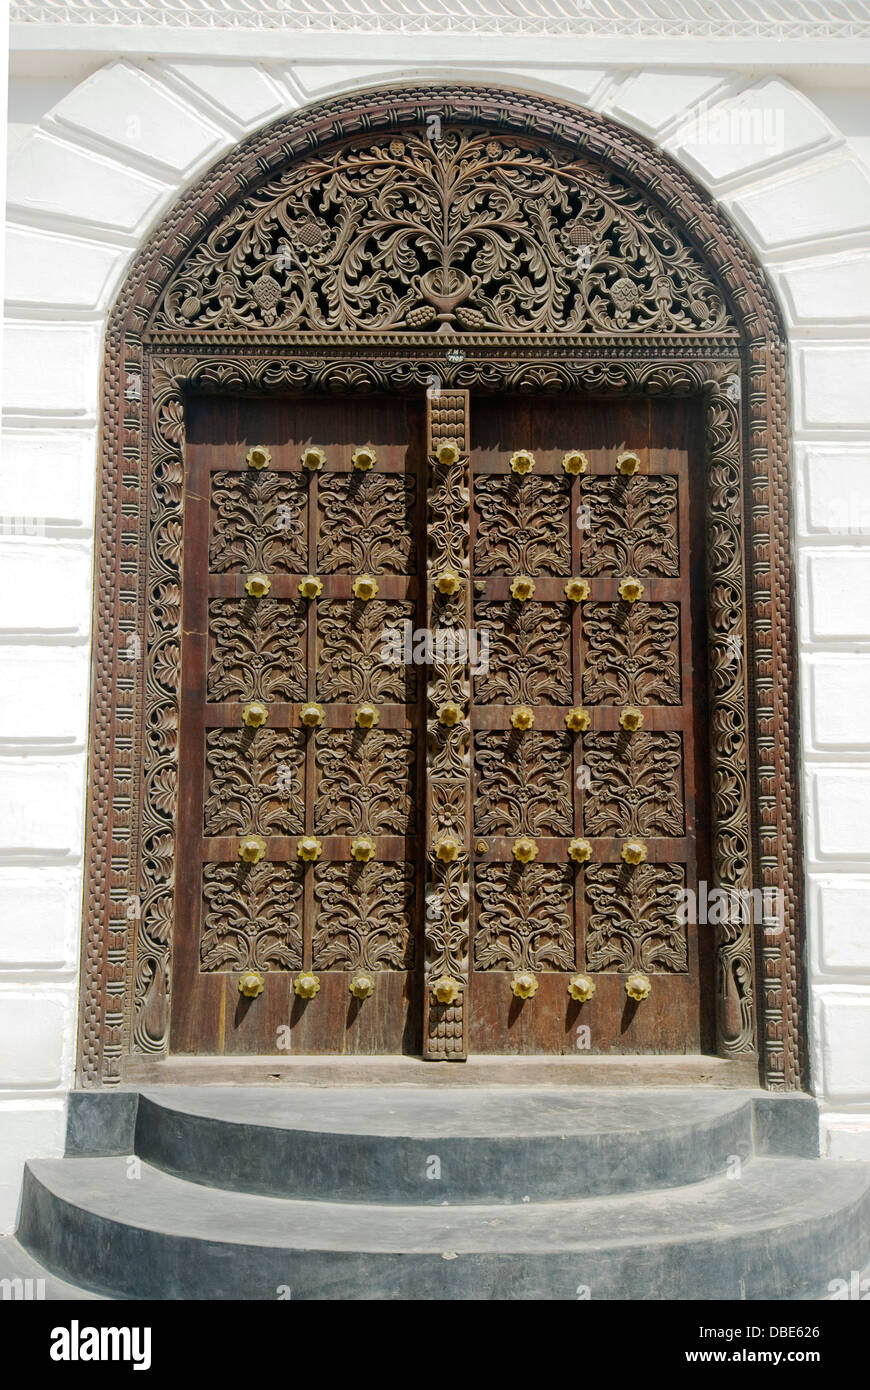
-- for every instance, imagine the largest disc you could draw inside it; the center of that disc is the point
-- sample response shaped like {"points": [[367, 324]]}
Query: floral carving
{"points": [[633, 526], [636, 784], [258, 522], [366, 782], [523, 784], [254, 783], [523, 525], [252, 917], [478, 230], [635, 661], [633, 922], [351, 663], [366, 523], [257, 649], [365, 917], [530, 654], [525, 918]]}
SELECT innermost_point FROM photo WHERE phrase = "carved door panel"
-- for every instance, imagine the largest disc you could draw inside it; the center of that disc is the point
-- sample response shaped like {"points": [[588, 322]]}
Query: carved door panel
{"points": [[587, 728], [300, 739]]}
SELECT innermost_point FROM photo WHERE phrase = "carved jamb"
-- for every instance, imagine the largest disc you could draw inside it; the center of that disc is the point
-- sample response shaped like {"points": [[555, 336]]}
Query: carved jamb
{"points": [[119, 725]]}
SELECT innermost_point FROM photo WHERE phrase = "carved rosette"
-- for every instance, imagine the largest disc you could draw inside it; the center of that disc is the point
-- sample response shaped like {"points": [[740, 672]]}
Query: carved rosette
{"points": [[448, 796]]}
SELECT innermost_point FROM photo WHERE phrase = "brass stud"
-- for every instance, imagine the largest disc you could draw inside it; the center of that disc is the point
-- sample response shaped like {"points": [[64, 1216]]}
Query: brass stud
{"points": [[363, 849], [311, 586], [313, 459], [634, 851], [364, 458], [367, 716], [255, 714], [522, 588], [577, 590], [523, 717], [365, 587], [630, 590], [251, 984], [258, 585], [258, 457], [311, 715], [580, 851], [525, 849], [306, 985], [446, 990], [631, 719], [638, 986], [361, 986], [581, 988], [578, 720], [574, 462], [524, 985], [252, 849], [627, 464], [309, 848], [447, 453], [522, 461]]}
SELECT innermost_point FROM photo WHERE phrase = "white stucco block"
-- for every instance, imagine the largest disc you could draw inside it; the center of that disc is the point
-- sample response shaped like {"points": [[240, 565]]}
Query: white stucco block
{"points": [[41, 810], [760, 125], [46, 476], [648, 100], [836, 489], [51, 367], [123, 106], [839, 701], [32, 1028], [834, 384], [46, 586], [40, 917], [52, 176], [837, 585], [841, 906], [28, 1129], [845, 1137], [245, 92], [833, 289], [44, 693], [844, 1019], [839, 822], [60, 271], [827, 200]]}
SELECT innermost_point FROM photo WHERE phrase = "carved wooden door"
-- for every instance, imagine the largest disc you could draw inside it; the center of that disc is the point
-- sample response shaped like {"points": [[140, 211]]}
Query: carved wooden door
{"points": [[587, 728], [300, 832], [471, 842]]}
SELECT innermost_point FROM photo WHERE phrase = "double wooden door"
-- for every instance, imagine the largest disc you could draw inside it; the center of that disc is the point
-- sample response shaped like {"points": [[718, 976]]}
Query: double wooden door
{"points": [[443, 774]]}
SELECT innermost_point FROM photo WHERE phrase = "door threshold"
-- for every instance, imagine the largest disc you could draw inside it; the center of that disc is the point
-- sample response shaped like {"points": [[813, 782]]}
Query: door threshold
{"points": [[414, 1071]]}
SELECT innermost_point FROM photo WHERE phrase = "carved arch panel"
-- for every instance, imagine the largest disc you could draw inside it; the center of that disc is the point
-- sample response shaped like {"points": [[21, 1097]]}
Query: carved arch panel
{"points": [[589, 178]]}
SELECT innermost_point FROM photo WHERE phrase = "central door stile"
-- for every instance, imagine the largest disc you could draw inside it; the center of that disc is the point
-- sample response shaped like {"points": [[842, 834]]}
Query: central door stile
{"points": [[448, 759]]}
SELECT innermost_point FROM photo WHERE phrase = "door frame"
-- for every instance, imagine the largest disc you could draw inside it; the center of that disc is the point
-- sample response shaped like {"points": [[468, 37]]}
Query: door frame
{"points": [[743, 385]]}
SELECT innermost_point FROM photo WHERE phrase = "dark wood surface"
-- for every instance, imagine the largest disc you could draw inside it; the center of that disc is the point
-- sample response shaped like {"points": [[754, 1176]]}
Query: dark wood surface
{"points": [[209, 1015]]}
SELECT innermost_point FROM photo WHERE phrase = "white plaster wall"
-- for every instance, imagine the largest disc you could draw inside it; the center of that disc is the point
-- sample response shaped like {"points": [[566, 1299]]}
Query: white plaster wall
{"points": [[96, 160]]}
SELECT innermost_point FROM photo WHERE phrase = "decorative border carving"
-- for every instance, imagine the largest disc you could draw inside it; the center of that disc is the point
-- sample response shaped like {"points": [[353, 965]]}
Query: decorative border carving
{"points": [[132, 757]]}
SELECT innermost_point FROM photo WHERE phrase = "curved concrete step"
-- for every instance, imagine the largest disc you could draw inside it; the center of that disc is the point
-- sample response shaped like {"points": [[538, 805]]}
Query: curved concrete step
{"points": [[780, 1231], [419, 1146]]}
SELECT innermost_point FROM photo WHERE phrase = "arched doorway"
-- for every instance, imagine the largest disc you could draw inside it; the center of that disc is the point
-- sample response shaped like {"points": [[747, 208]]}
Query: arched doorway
{"points": [[453, 277]]}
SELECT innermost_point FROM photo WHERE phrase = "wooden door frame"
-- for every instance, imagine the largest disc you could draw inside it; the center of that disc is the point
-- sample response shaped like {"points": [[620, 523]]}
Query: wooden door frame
{"points": [[741, 379]]}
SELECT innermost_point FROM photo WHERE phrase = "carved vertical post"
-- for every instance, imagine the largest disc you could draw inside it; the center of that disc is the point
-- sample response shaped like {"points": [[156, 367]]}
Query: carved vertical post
{"points": [[448, 761]]}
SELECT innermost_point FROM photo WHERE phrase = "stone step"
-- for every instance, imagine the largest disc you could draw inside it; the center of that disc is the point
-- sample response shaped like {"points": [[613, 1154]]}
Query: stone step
{"points": [[780, 1231], [413, 1145], [24, 1280]]}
